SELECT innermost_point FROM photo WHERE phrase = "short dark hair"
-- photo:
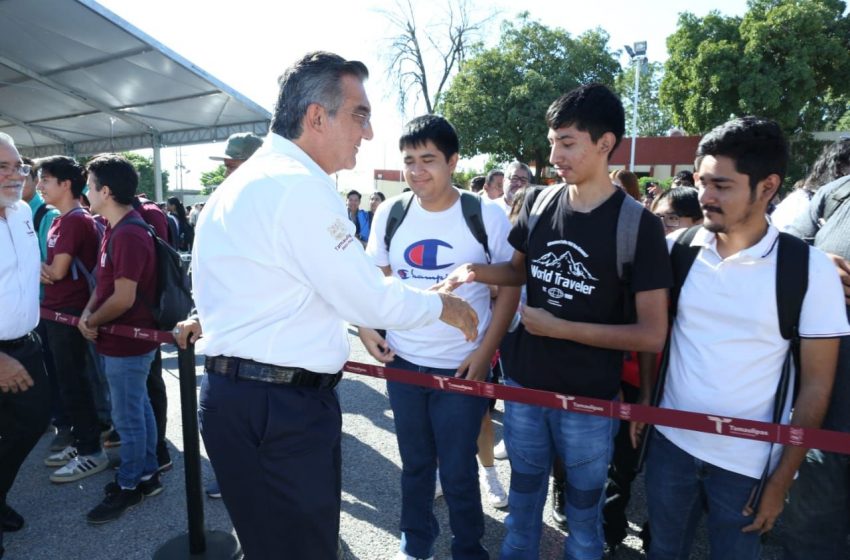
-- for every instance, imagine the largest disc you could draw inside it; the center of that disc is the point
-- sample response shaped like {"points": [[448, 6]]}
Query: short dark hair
{"points": [[684, 201], [379, 194], [756, 145], [592, 108], [116, 172], [64, 168], [353, 192], [435, 128], [477, 183], [315, 78], [493, 173], [684, 178]]}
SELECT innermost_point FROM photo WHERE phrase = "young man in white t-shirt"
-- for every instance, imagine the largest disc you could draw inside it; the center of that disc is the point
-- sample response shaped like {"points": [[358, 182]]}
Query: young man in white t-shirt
{"points": [[727, 353], [431, 425]]}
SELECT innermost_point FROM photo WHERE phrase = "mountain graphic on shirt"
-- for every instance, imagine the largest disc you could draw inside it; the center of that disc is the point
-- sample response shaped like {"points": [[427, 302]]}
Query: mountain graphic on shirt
{"points": [[574, 267]]}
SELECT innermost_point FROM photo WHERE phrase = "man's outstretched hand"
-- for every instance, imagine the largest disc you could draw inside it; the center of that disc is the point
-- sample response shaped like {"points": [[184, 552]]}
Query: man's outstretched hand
{"points": [[459, 314], [459, 276]]}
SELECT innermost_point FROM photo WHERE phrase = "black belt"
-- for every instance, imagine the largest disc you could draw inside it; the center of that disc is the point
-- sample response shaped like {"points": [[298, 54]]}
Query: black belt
{"points": [[15, 343], [249, 369]]}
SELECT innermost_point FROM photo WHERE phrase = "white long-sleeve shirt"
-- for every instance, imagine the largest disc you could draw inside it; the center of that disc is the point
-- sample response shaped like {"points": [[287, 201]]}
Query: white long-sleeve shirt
{"points": [[20, 266], [276, 270]]}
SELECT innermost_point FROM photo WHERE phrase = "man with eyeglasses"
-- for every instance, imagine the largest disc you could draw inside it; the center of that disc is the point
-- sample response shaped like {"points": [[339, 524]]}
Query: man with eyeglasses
{"points": [[518, 176], [274, 265], [24, 394]]}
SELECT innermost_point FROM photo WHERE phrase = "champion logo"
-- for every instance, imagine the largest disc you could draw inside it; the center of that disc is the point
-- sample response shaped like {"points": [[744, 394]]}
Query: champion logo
{"points": [[718, 423], [425, 254]]}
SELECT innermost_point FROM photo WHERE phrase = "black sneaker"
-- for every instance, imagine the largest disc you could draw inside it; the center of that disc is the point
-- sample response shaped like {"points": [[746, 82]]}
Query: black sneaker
{"points": [[149, 488], [113, 505]]}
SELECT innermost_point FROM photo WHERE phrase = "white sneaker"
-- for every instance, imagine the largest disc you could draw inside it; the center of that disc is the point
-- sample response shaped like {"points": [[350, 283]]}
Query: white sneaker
{"points": [[500, 451], [402, 556], [79, 467], [491, 488], [438, 491], [61, 458]]}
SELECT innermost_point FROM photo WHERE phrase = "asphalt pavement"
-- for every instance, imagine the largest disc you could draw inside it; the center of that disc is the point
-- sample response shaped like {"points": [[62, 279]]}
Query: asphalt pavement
{"points": [[56, 527]]}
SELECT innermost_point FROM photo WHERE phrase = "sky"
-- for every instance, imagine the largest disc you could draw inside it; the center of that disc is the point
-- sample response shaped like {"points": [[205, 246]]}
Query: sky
{"points": [[248, 43]]}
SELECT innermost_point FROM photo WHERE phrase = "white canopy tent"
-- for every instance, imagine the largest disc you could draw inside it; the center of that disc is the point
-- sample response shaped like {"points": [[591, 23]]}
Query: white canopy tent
{"points": [[77, 79]]}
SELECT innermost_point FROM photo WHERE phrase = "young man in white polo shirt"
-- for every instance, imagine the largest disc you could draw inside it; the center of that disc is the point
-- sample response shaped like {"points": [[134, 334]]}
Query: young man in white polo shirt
{"points": [[433, 425], [727, 353]]}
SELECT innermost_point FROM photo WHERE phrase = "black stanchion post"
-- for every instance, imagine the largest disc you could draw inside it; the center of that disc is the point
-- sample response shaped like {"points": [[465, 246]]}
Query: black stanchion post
{"points": [[198, 543]]}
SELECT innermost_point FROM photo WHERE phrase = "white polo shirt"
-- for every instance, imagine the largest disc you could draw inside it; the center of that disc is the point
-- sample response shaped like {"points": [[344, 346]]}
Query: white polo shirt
{"points": [[20, 268], [276, 270], [727, 352]]}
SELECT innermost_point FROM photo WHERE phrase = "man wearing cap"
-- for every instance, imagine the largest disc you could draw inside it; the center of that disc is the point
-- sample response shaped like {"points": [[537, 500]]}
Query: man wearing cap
{"points": [[24, 394], [274, 265], [240, 147]]}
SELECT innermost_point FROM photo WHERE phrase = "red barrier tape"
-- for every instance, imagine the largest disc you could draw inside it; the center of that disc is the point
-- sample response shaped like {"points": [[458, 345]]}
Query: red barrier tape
{"points": [[118, 330], [826, 440]]}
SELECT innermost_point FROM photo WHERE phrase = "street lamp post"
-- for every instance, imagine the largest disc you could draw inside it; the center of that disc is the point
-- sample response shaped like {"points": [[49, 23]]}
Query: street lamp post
{"points": [[638, 55]]}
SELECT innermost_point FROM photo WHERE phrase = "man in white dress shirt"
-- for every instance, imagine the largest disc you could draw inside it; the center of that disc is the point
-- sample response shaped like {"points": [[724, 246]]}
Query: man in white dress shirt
{"points": [[277, 271], [24, 393]]}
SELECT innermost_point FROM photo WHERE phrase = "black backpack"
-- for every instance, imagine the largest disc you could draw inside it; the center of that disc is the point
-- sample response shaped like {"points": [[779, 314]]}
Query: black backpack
{"points": [[470, 205], [173, 300]]}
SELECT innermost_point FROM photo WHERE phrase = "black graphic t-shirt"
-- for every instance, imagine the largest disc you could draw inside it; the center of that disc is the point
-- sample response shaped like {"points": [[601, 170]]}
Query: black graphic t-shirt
{"points": [[571, 268]]}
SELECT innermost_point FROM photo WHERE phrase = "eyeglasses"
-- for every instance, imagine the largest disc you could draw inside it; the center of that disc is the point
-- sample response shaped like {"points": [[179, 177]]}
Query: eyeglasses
{"points": [[518, 179], [18, 169], [364, 120], [669, 220]]}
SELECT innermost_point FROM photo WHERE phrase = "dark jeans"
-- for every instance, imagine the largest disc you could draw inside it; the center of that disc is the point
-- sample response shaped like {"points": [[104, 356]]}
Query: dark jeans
{"points": [[816, 521], [23, 416], [159, 402], [621, 474], [73, 372], [431, 426], [276, 454], [58, 414]]}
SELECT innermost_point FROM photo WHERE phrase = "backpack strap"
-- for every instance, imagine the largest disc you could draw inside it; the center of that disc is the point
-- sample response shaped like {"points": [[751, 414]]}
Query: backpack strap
{"points": [[543, 200], [682, 256], [628, 224], [40, 212], [129, 221], [792, 282], [470, 205], [398, 211]]}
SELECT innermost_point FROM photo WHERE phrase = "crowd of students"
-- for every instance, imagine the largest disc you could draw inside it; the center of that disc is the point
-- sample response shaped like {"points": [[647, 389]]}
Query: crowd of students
{"points": [[574, 288]]}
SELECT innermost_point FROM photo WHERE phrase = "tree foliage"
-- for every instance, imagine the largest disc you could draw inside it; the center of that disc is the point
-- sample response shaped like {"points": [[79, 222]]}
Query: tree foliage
{"points": [[784, 59], [653, 118], [144, 165], [423, 58], [498, 100], [211, 179]]}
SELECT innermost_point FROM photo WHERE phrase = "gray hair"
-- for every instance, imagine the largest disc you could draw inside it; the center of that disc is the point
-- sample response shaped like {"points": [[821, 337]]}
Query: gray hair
{"points": [[7, 140], [514, 165], [315, 78]]}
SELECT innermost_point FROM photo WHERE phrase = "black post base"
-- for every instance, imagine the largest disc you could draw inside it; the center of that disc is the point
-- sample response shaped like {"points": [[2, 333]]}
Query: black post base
{"points": [[219, 546]]}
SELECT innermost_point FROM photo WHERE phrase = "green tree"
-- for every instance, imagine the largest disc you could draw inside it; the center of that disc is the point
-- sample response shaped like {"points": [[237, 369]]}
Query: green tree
{"points": [[211, 179], [784, 59], [144, 165], [498, 100], [653, 118]]}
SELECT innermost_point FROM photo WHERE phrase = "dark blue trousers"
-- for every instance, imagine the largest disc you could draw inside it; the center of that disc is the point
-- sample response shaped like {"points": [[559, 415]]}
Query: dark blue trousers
{"points": [[275, 450]]}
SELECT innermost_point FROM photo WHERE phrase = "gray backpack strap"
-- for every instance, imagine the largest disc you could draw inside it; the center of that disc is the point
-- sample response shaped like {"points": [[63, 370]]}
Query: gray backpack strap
{"points": [[628, 224], [398, 211], [543, 200]]}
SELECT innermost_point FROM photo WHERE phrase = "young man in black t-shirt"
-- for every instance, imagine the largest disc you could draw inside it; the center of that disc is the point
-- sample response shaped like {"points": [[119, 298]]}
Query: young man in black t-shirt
{"points": [[575, 324]]}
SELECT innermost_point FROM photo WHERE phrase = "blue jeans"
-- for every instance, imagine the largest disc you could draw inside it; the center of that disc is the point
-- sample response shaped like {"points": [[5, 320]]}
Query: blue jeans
{"points": [[678, 487], [132, 415], [817, 518], [533, 434], [431, 426]]}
